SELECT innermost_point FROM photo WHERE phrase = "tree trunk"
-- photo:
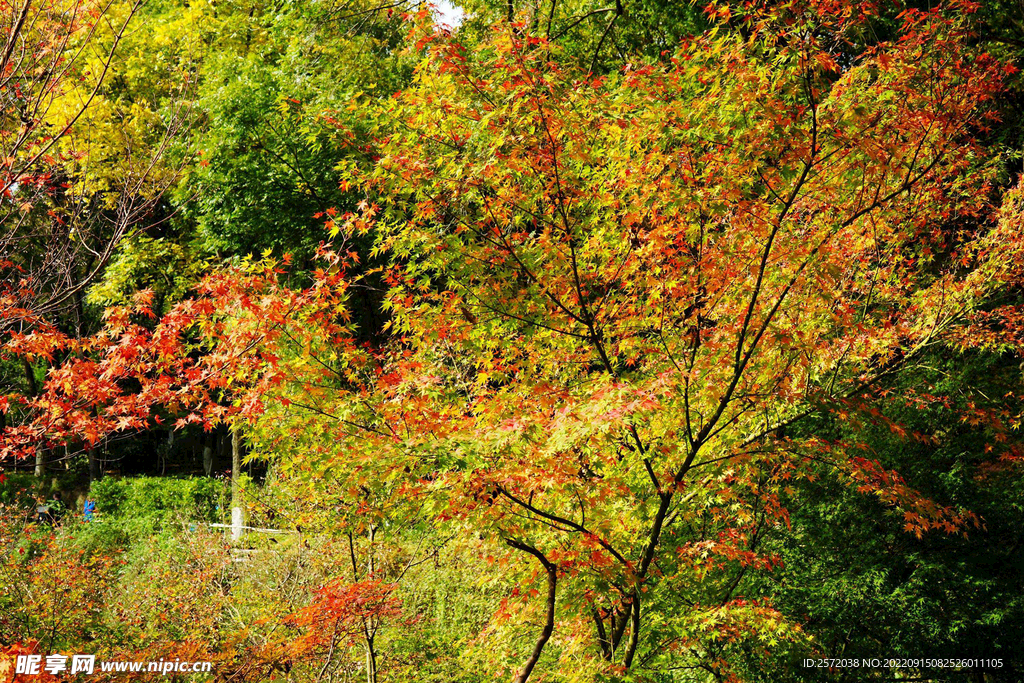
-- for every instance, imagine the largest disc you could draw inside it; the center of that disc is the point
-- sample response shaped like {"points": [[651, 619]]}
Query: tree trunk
{"points": [[33, 390], [30, 377], [223, 444], [371, 662], [236, 468], [40, 470], [549, 619], [634, 630], [371, 535], [370, 625], [94, 465], [167, 451], [208, 459]]}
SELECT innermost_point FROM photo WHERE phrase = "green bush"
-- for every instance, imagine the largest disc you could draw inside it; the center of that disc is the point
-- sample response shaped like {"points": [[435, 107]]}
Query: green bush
{"points": [[22, 488], [161, 499], [137, 509]]}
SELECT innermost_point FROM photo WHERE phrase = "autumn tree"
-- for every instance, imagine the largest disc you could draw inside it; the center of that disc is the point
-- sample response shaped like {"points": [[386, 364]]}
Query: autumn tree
{"points": [[64, 213], [85, 165], [612, 298]]}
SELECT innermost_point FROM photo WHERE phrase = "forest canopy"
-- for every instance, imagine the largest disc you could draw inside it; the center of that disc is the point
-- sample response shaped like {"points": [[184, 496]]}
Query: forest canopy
{"points": [[648, 341]]}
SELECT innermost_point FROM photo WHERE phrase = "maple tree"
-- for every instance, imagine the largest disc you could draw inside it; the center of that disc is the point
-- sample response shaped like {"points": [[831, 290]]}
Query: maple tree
{"points": [[144, 91], [689, 260], [85, 163]]}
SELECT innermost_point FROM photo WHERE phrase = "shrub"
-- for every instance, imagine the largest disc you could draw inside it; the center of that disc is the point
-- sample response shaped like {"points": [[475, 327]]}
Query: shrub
{"points": [[194, 499]]}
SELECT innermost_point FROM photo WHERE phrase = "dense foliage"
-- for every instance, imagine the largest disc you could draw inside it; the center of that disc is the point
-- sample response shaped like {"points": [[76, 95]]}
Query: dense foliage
{"points": [[642, 342]]}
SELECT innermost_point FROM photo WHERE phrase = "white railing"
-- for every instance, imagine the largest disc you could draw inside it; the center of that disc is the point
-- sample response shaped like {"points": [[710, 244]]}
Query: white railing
{"points": [[237, 527]]}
